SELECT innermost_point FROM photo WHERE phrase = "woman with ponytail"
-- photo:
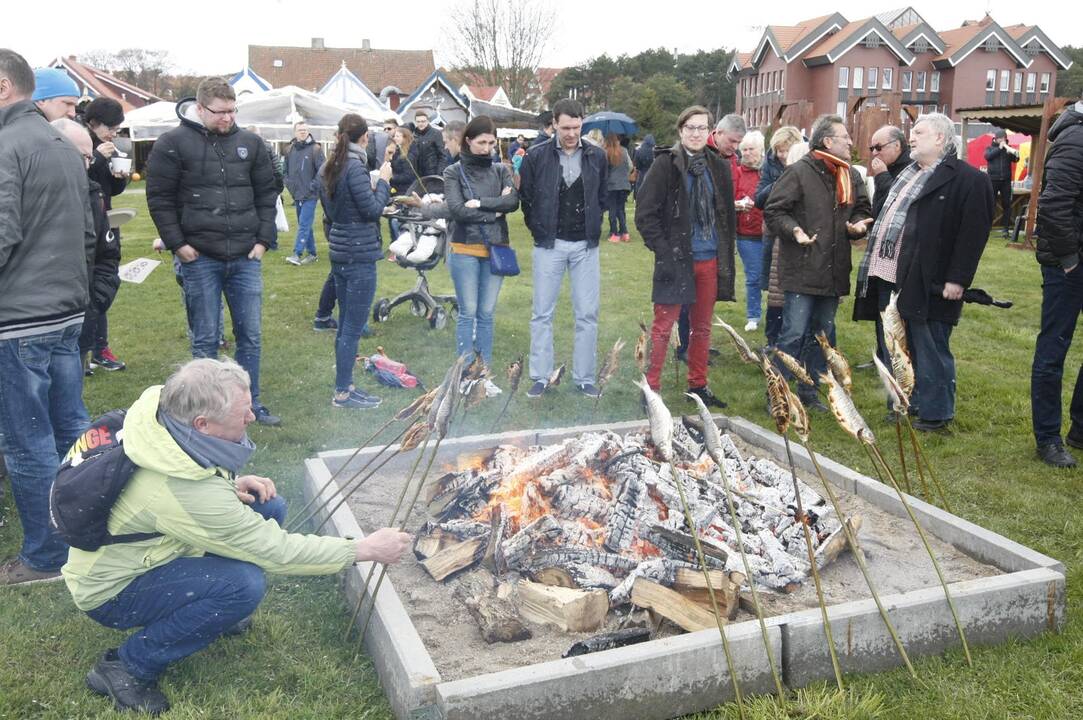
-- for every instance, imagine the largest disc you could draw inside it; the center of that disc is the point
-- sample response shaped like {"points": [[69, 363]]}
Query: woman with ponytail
{"points": [[479, 193], [354, 203]]}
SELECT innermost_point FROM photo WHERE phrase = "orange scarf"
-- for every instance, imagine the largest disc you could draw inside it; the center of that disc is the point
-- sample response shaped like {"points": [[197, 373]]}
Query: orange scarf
{"points": [[844, 188]]}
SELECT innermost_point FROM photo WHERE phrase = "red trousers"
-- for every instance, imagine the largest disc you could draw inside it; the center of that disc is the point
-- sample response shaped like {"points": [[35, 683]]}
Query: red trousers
{"points": [[699, 339]]}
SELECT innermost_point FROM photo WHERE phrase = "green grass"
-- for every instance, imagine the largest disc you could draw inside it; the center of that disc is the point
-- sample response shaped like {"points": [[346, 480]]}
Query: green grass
{"points": [[295, 664]]}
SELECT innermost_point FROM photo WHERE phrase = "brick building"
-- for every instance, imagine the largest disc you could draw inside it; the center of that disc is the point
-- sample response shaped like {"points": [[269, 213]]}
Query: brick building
{"points": [[833, 64]]}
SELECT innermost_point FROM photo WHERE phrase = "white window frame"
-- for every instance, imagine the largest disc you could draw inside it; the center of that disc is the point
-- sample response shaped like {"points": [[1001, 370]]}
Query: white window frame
{"points": [[887, 78], [1005, 80], [1018, 86], [934, 82], [1044, 86], [921, 80], [844, 77], [1031, 78], [872, 76], [990, 80], [907, 81], [859, 78], [840, 109]]}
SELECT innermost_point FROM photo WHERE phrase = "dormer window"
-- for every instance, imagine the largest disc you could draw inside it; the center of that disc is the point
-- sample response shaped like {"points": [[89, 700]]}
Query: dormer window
{"points": [[872, 40], [991, 45], [921, 45]]}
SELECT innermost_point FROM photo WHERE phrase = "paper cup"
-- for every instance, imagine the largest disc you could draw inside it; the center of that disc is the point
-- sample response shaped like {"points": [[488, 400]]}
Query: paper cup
{"points": [[120, 166]]}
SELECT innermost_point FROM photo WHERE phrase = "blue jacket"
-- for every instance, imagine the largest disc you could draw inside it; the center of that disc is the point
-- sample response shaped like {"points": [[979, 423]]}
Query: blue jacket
{"points": [[303, 164], [539, 190], [770, 172], [355, 211]]}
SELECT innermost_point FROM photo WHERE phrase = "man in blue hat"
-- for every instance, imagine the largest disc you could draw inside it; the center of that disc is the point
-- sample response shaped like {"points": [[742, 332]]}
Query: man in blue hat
{"points": [[55, 93]]}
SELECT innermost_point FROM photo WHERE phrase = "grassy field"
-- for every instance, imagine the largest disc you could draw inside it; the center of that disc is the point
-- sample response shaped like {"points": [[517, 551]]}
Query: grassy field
{"points": [[294, 664]]}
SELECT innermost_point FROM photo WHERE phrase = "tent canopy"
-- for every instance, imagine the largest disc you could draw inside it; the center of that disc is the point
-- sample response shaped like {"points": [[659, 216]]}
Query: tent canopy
{"points": [[272, 113]]}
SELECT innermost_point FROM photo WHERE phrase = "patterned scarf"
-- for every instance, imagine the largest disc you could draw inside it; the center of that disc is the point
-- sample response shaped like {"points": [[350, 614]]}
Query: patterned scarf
{"points": [[702, 199], [844, 188]]}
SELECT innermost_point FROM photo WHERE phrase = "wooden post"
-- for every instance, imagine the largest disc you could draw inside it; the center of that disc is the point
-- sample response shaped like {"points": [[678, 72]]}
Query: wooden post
{"points": [[963, 139], [1037, 166]]}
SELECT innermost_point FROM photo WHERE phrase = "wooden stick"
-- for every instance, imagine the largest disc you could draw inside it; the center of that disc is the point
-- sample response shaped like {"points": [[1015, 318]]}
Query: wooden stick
{"points": [[394, 516], [902, 455], [855, 549], [919, 458], [710, 590], [346, 484], [929, 550], [803, 519], [293, 525]]}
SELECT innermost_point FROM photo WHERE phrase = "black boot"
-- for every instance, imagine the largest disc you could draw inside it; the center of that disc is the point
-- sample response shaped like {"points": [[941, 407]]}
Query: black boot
{"points": [[110, 678], [709, 398]]}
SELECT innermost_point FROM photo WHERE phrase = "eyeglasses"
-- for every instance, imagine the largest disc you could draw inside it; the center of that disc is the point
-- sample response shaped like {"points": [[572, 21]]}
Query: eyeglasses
{"points": [[696, 129], [231, 111], [880, 146]]}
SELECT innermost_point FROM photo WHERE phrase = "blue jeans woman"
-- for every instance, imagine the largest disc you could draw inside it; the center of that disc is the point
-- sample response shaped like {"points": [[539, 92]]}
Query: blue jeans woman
{"points": [[476, 290]]}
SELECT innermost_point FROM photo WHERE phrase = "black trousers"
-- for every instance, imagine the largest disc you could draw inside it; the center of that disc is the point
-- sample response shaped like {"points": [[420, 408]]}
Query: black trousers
{"points": [[1002, 191]]}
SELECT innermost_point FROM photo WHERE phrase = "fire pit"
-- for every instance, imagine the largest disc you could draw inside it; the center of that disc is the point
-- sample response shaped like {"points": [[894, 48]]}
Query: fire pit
{"points": [[588, 509]]}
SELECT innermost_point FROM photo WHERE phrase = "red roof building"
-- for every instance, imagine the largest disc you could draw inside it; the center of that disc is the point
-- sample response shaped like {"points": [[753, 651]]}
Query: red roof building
{"points": [[96, 83]]}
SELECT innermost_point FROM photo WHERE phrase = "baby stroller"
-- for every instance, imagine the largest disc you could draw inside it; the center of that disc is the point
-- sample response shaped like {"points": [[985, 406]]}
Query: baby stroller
{"points": [[426, 245]]}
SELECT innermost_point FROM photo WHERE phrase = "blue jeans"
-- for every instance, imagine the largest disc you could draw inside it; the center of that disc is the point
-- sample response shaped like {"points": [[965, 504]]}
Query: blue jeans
{"points": [[802, 317], [618, 221], [580, 262], [41, 415], [184, 605], [355, 286], [205, 280], [306, 239], [476, 290], [751, 251], [1062, 301], [934, 369]]}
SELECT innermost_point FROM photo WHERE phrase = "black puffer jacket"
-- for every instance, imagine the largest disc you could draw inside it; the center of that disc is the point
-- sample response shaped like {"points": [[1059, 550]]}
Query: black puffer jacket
{"points": [[355, 211], [1060, 206], [663, 219], [805, 197], [213, 192], [430, 150], [99, 172], [303, 163], [998, 162], [485, 181]]}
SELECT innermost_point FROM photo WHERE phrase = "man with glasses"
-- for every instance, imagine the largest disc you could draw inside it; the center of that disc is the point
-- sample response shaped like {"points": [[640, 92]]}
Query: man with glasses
{"points": [[816, 209], [211, 192], [46, 232], [890, 155], [562, 189], [686, 216]]}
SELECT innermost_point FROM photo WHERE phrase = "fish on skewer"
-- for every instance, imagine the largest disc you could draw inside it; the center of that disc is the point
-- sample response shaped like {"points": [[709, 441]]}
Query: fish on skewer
{"points": [[842, 405], [836, 362], [777, 395], [900, 403], [661, 422], [791, 363], [555, 376], [895, 341], [745, 352], [610, 365], [640, 350]]}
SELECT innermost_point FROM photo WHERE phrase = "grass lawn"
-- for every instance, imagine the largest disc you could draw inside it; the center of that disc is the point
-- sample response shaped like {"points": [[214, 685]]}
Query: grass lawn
{"points": [[294, 663]]}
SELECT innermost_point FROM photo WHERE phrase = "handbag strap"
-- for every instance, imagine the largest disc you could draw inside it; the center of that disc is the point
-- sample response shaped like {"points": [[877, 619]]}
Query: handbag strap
{"points": [[470, 189]]}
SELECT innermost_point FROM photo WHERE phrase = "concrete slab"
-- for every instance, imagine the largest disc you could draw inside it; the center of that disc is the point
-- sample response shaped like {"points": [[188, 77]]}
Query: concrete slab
{"points": [[661, 679]]}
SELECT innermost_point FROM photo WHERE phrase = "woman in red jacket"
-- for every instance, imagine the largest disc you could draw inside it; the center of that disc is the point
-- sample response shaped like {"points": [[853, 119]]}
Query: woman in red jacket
{"points": [[750, 223]]}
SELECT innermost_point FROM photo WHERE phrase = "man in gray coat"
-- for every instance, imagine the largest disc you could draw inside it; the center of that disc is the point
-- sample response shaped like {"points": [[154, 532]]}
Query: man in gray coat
{"points": [[46, 232], [303, 163], [816, 208]]}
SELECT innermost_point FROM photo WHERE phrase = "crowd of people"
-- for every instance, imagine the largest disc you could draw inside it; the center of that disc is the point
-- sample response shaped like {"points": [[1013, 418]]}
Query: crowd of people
{"points": [[790, 211]]}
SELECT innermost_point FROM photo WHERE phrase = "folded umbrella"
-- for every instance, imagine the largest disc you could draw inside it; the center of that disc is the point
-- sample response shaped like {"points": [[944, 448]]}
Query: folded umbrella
{"points": [[977, 296]]}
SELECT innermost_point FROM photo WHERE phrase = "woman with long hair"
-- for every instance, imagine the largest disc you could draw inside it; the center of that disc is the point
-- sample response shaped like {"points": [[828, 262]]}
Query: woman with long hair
{"points": [[402, 152], [618, 185], [354, 202], [479, 194]]}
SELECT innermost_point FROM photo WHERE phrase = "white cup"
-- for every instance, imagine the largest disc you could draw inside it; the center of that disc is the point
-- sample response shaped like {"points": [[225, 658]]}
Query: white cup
{"points": [[120, 166]]}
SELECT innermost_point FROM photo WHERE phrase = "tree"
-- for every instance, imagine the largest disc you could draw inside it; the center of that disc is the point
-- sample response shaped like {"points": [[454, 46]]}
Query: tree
{"points": [[502, 42], [705, 74], [138, 66], [1070, 81], [654, 103]]}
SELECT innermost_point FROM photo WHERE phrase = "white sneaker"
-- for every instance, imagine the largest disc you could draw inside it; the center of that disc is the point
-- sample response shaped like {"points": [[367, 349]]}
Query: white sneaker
{"points": [[752, 325], [491, 390], [293, 260]]}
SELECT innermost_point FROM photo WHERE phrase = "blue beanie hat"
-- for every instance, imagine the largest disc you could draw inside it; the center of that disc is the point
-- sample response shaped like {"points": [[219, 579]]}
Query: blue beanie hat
{"points": [[53, 82]]}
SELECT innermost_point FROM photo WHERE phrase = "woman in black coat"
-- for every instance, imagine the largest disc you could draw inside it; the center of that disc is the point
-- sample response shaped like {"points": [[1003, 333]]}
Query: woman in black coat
{"points": [[354, 204], [686, 216]]}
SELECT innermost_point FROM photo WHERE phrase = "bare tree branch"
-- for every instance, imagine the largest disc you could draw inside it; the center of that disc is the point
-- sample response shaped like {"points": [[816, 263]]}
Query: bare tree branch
{"points": [[502, 42]]}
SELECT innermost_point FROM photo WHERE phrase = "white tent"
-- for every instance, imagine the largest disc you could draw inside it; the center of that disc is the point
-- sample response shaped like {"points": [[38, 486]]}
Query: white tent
{"points": [[272, 113], [346, 88]]}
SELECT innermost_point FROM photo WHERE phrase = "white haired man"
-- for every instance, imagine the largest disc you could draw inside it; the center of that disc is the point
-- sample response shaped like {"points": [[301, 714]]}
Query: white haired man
{"points": [[926, 244], [217, 532]]}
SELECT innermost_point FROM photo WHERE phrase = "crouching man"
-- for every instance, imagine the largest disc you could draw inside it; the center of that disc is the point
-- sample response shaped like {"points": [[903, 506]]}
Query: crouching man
{"points": [[202, 575]]}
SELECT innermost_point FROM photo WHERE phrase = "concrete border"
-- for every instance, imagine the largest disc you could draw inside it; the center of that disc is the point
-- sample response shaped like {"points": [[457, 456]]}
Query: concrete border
{"points": [[683, 674]]}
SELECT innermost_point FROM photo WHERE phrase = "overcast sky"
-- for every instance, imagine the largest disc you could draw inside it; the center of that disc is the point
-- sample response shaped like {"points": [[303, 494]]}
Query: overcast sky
{"points": [[207, 37]]}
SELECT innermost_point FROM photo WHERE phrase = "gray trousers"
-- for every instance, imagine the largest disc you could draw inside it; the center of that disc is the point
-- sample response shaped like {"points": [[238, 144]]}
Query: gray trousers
{"points": [[581, 263]]}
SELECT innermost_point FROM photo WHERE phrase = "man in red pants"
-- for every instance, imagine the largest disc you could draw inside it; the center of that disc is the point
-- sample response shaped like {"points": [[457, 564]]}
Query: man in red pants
{"points": [[685, 213]]}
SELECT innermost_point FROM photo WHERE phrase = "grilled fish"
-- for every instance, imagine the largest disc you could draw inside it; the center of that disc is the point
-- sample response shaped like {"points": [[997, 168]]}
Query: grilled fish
{"points": [[661, 422], [836, 361]]}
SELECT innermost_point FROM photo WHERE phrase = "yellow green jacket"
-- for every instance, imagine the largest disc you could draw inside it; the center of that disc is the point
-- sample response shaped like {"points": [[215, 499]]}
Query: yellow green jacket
{"points": [[196, 511]]}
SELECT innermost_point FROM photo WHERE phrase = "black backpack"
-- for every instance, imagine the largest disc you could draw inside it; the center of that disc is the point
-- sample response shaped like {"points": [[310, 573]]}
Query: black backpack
{"points": [[90, 479]]}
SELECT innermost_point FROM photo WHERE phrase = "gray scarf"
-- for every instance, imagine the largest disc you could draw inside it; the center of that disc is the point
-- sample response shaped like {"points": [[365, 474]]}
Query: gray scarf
{"points": [[207, 450]]}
